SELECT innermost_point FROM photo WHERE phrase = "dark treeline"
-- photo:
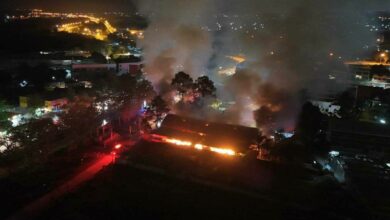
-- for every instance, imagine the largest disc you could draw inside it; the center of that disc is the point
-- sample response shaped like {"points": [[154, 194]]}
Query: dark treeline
{"points": [[40, 34]]}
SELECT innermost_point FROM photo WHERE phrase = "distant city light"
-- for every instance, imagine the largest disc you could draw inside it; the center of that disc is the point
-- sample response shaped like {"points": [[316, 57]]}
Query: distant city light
{"points": [[23, 84], [104, 123], [56, 119], [159, 124], [16, 120], [382, 121], [388, 164], [39, 112], [68, 74], [334, 153]]}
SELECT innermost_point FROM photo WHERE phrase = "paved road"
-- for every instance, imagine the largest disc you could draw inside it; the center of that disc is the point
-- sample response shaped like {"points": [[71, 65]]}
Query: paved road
{"points": [[34, 208]]}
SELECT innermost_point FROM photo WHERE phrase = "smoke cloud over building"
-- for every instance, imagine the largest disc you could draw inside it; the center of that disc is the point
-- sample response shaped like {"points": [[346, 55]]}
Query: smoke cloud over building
{"points": [[291, 49]]}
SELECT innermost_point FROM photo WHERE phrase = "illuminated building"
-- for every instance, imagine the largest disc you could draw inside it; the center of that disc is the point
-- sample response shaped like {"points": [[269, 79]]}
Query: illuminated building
{"points": [[121, 67], [95, 67], [362, 73], [55, 104]]}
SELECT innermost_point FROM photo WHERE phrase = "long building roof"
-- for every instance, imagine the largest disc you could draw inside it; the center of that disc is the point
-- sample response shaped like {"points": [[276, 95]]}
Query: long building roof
{"points": [[209, 133]]}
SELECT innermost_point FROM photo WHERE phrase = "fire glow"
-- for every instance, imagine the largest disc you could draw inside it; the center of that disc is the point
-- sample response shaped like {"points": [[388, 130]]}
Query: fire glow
{"points": [[197, 146], [223, 151], [178, 142]]}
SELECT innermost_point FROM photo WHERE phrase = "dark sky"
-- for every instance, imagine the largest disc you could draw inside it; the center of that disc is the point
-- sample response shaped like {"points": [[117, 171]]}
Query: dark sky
{"points": [[70, 5]]}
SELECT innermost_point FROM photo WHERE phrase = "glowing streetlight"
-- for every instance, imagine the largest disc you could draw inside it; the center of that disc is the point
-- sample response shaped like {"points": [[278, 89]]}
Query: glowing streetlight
{"points": [[383, 57]]}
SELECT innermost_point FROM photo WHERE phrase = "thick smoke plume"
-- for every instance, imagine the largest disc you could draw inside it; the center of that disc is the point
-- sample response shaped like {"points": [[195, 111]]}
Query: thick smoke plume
{"points": [[175, 40], [291, 49]]}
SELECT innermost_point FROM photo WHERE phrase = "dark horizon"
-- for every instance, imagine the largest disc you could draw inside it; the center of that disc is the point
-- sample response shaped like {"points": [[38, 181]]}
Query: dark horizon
{"points": [[70, 5]]}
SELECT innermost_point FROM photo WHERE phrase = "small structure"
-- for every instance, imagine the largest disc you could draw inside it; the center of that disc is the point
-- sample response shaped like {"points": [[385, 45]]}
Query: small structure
{"points": [[95, 67], [327, 107], [56, 104]]}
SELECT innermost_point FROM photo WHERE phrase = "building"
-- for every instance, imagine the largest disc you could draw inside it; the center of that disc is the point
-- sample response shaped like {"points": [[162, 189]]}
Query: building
{"points": [[370, 73], [121, 67], [233, 140], [95, 67], [129, 68], [356, 137], [54, 105], [129, 65]]}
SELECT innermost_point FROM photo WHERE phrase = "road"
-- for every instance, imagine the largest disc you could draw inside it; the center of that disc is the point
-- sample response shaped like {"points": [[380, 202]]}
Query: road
{"points": [[33, 209]]}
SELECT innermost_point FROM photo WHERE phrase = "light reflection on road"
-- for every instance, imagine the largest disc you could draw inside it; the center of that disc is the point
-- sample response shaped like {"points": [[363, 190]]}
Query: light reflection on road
{"points": [[40, 204]]}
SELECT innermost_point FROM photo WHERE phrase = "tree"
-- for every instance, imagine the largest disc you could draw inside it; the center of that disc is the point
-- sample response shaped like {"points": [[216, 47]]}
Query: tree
{"points": [[98, 57], [37, 139], [3, 113], [182, 82], [159, 106], [346, 100], [79, 124], [205, 87], [311, 123], [144, 89], [157, 110]]}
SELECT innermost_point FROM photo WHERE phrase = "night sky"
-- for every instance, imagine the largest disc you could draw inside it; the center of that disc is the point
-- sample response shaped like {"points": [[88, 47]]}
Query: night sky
{"points": [[70, 5]]}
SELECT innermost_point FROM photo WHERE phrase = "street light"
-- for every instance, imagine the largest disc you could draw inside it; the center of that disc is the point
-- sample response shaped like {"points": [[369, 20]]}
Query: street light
{"points": [[383, 57]]}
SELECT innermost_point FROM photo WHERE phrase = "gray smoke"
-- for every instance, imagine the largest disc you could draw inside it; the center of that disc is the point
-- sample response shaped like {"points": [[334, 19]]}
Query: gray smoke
{"points": [[291, 48], [175, 40]]}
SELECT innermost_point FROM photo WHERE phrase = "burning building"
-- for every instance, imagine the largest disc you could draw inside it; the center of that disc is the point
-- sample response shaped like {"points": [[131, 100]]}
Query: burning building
{"points": [[232, 140]]}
